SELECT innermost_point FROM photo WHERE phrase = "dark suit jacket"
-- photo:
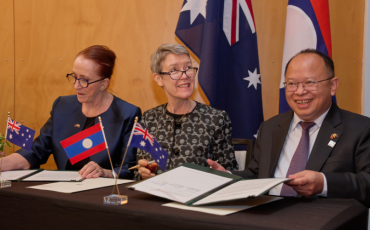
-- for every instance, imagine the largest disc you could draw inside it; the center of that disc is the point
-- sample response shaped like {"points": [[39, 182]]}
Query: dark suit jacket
{"points": [[346, 166], [66, 113]]}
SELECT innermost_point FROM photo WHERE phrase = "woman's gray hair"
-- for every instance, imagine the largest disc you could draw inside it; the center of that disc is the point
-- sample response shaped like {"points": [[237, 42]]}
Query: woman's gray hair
{"points": [[161, 53]]}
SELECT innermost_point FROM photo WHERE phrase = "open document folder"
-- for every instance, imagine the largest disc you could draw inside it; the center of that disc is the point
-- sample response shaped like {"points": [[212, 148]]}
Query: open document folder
{"points": [[192, 184]]}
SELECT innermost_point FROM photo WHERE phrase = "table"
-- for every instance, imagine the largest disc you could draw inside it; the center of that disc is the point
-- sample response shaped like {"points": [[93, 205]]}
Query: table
{"points": [[24, 208]]}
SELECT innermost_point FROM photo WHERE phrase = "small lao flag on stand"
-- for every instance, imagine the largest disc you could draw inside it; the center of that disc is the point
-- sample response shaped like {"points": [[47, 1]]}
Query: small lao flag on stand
{"points": [[142, 139], [19, 134], [84, 144]]}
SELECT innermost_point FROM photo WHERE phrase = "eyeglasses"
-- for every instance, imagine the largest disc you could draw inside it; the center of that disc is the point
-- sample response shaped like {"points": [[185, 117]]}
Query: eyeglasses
{"points": [[177, 74], [83, 82], [308, 85]]}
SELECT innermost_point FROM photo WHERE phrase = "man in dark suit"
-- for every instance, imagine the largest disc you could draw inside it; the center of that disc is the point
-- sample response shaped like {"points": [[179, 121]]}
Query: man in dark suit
{"points": [[324, 150]]}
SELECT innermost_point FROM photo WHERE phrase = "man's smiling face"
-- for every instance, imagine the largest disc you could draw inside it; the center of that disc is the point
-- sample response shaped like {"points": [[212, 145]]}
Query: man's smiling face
{"points": [[309, 105]]}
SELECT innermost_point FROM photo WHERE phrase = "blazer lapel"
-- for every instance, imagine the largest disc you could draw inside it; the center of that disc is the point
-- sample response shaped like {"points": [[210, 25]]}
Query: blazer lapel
{"points": [[321, 150], [278, 140]]}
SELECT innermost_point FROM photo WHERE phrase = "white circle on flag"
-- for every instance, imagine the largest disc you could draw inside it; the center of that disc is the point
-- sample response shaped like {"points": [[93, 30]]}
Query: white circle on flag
{"points": [[300, 34], [87, 143]]}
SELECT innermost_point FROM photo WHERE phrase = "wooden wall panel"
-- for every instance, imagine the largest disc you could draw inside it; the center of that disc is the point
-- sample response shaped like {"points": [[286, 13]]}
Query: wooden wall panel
{"points": [[347, 29], [270, 26], [6, 65]]}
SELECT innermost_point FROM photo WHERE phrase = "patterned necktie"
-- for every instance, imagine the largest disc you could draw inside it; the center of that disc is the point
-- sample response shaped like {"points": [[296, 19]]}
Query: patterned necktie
{"points": [[299, 159]]}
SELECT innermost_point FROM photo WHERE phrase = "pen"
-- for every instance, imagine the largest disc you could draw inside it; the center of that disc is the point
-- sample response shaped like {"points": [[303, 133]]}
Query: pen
{"points": [[137, 166]]}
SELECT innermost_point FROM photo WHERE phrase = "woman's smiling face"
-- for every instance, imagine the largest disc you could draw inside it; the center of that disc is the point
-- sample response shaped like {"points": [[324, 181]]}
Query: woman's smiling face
{"points": [[182, 88]]}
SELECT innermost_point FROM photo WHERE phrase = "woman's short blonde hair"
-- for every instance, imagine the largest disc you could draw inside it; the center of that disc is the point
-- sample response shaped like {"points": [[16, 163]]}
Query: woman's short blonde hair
{"points": [[160, 54]]}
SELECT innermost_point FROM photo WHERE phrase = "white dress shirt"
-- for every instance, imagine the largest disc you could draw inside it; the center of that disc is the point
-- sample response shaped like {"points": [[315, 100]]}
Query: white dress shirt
{"points": [[291, 143]]}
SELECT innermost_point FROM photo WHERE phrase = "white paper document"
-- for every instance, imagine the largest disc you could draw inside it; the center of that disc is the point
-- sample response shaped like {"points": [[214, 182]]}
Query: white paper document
{"points": [[16, 174], [242, 189], [48, 175], [181, 184], [226, 208], [72, 187]]}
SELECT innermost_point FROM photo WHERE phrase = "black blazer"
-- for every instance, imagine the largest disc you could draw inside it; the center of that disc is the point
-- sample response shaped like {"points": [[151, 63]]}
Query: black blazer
{"points": [[65, 114], [346, 166]]}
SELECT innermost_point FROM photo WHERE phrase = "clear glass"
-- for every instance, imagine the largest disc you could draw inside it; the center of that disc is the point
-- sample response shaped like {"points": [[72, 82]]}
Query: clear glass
{"points": [[5, 184], [83, 82], [177, 74], [308, 85], [115, 199]]}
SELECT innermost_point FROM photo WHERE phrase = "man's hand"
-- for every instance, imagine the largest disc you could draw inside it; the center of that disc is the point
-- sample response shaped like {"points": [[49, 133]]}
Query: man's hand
{"points": [[307, 183], [143, 170], [216, 165]]}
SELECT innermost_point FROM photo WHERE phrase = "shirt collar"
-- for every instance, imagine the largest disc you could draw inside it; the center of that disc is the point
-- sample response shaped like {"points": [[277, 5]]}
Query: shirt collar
{"points": [[318, 121]]}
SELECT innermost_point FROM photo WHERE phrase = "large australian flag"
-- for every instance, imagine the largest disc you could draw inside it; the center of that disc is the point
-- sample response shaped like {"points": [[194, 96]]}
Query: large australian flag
{"points": [[222, 34]]}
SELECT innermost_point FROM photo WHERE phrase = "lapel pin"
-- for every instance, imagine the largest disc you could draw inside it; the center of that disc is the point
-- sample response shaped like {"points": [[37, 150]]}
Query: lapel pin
{"points": [[334, 135], [77, 125], [331, 143]]}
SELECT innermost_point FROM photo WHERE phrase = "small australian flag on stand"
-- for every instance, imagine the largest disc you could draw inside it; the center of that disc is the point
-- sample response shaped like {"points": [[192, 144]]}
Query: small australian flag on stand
{"points": [[142, 139], [19, 134]]}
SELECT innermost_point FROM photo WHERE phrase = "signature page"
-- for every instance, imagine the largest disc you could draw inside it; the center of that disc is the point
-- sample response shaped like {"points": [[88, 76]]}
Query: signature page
{"points": [[72, 187], [242, 189], [16, 174], [181, 184], [47, 175]]}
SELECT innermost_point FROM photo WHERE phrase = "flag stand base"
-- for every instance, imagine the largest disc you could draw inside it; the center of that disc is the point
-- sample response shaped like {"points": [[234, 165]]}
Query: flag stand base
{"points": [[115, 199], [5, 184]]}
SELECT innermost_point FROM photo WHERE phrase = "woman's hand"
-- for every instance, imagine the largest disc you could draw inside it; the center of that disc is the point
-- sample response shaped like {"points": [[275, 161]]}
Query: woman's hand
{"points": [[93, 170], [145, 170]]}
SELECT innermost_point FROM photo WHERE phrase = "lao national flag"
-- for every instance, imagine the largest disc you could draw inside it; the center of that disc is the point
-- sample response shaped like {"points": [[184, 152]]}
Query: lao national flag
{"points": [[19, 134], [84, 144], [307, 26], [142, 139], [222, 34]]}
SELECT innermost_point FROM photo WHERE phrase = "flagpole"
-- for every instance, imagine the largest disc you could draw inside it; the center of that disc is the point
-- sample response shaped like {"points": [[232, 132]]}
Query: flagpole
{"points": [[110, 159], [128, 144], [6, 127]]}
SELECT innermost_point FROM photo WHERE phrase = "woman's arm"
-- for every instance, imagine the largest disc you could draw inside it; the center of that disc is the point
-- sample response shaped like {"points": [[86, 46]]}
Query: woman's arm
{"points": [[14, 161]]}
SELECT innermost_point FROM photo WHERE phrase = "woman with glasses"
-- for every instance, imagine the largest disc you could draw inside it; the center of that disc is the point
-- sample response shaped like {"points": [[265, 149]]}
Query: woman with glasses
{"points": [[188, 130], [91, 74]]}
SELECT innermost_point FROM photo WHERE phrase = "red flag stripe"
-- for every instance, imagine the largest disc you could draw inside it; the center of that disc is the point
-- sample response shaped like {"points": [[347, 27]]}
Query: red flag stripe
{"points": [[249, 3], [233, 21], [87, 153], [80, 136], [321, 8]]}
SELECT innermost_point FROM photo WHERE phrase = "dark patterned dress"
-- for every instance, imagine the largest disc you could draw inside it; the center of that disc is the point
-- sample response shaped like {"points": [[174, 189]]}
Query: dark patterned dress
{"points": [[204, 133]]}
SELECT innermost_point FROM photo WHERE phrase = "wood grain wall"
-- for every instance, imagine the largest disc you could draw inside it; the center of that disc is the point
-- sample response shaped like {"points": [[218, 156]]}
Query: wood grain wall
{"points": [[40, 38], [6, 65]]}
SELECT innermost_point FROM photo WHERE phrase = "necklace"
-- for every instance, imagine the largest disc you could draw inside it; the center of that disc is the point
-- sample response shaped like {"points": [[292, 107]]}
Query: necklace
{"points": [[178, 124], [185, 113]]}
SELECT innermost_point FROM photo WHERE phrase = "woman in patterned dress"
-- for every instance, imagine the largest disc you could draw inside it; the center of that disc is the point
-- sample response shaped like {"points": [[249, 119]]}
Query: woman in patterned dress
{"points": [[188, 130]]}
